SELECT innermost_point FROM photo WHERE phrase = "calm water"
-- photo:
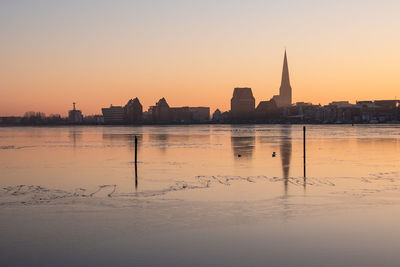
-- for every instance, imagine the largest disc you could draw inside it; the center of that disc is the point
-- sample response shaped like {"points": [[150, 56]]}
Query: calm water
{"points": [[201, 195]]}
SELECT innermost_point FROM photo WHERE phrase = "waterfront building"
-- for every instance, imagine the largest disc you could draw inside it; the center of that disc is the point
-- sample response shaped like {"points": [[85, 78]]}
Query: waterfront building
{"points": [[267, 110], [341, 104], [74, 115], [389, 104], [163, 113], [113, 114], [133, 111], [365, 104], [160, 112], [303, 104], [266, 106], [93, 119], [189, 114], [11, 120], [181, 114], [242, 103], [217, 116], [200, 114]]}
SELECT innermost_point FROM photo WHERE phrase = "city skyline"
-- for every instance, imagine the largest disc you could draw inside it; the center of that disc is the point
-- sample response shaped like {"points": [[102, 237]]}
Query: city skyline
{"points": [[110, 53], [283, 99]]}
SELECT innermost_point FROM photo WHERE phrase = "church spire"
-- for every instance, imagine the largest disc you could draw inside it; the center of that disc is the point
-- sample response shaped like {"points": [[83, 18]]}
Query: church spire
{"points": [[285, 72], [285, 91]]}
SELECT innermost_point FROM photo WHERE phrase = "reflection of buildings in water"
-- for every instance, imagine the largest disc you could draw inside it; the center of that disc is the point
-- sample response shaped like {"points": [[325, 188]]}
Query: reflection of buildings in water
{"points": [[286, 153], [160, 139], [75, 135], [129, 139], [163, 139], [243, 146]]}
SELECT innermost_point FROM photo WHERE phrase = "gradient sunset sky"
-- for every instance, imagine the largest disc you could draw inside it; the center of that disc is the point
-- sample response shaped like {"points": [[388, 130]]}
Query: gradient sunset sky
{"points": [[194, 53]]}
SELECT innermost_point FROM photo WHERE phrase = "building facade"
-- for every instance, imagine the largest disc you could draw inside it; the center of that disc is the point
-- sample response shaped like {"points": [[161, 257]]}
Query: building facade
{"points": [[242, 103], [161, 112], [200, 114], [74, 115], [113, 114], [133, 111]]}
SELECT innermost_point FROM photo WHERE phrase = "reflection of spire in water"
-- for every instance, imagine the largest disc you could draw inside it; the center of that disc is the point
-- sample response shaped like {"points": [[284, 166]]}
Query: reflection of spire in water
{"points": [[286, 153]]}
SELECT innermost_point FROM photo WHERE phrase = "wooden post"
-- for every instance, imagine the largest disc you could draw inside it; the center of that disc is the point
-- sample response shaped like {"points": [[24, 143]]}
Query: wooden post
{"points": [[135, 149], [136, 177], [304, 150]]}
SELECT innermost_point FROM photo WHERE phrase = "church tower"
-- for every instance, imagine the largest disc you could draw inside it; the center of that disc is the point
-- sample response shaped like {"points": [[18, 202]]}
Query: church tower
{"points": [[285, 91]]}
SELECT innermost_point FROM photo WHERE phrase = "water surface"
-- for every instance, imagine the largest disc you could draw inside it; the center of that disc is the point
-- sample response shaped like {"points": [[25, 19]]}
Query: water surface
{"points": [[200, 195]]}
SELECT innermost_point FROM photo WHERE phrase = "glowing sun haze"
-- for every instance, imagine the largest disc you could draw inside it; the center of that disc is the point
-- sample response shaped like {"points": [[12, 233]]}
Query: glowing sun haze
{"points": [[193, 52]]}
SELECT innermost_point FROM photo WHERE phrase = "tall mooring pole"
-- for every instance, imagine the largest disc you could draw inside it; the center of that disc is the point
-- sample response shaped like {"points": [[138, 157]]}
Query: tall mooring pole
{"points": [[136, 176], [304, 150]]}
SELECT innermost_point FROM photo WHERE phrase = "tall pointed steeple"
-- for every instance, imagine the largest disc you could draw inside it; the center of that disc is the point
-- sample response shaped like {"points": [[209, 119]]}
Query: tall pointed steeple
{"points": [[285, 72], [285, 91]]}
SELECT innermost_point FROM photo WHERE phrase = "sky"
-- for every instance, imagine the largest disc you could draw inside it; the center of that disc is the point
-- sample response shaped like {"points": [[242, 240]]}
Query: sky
{"points": [[193, 53]]}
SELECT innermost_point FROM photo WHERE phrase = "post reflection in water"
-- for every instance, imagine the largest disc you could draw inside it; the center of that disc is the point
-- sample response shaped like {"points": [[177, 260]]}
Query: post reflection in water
{"points": [[128, 140], [136, 177], [286, 153], [242, 143]]}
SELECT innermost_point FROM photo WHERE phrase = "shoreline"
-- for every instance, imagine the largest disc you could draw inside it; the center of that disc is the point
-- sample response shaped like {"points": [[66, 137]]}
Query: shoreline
{"points": [[191, 124]]}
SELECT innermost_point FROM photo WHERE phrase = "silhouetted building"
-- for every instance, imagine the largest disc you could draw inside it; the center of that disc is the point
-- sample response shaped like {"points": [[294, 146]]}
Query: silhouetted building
{"points": [[271, 111], [181, 114], [379, 111], [387, 110], [311, 113], [200, 114], [266, 106], [161, 111], [10, 120], [74, 115], [93, 119], [133, 111], [189, 114], [365, 104], [113, 114], [341, 104], [329, 114], [303, 104], [217, 116], [389, 104], [285, 91], [242, 103], [267, 111]]}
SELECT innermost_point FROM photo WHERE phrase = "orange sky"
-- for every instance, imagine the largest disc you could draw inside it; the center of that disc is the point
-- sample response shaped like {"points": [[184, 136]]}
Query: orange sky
{"points": [[193, 53]]}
